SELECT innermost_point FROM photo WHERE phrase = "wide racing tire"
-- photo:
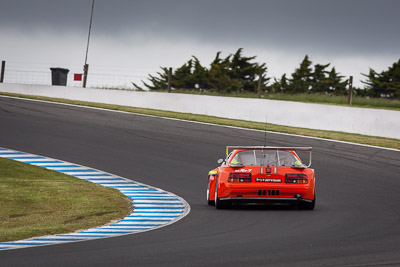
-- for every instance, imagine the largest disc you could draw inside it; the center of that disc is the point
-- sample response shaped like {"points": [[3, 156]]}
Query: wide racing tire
{"points": [[308, 205], [220, 204], [209, 202]]}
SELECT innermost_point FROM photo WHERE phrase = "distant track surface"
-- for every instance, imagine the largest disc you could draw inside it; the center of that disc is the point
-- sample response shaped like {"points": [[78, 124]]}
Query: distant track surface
{"points": [[356, 221]]}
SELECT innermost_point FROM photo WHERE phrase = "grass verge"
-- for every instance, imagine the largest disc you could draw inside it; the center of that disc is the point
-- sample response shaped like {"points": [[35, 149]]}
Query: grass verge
{"points": [[348, 137], [35, 201], [358, 101]]}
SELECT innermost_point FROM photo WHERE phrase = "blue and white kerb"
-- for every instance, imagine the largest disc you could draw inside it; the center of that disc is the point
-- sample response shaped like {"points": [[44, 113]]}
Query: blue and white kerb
{"points": [[152, 207]]}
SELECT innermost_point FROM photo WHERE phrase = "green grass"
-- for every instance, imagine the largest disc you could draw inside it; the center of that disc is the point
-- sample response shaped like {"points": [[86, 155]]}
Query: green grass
{"points": [[363, 102], [355, 138], [35, 201]]}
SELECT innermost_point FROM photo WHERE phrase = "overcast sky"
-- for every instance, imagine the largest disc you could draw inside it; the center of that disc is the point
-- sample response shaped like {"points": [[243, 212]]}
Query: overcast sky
{"points": [[136, 37]]}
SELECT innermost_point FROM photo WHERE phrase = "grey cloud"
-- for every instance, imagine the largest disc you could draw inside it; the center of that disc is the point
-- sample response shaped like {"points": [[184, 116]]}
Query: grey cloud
{"points": [[344, 26]]}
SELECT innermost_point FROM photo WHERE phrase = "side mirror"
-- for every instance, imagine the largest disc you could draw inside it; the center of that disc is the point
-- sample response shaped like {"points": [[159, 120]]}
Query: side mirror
{"points": [[220, 161]]}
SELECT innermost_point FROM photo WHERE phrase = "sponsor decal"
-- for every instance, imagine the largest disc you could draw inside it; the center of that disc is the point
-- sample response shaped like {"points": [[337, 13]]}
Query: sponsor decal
{"points": [[244, 170], [213, 173], [268, 180]]}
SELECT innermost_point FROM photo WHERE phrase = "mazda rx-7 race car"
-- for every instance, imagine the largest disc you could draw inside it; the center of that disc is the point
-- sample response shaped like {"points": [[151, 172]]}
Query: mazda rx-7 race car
{"points": [[262, 174]]}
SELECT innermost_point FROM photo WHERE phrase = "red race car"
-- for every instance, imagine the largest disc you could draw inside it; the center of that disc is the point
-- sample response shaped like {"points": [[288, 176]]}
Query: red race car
{"points": [[262, 174]]}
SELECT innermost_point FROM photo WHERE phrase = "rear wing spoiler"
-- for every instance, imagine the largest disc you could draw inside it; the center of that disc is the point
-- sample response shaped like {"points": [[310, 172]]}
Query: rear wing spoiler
{"points": [[277, 148]]}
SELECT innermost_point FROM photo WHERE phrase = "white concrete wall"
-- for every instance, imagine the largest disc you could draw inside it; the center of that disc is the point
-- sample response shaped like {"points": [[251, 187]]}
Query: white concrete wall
{"points": [[375, 122]]}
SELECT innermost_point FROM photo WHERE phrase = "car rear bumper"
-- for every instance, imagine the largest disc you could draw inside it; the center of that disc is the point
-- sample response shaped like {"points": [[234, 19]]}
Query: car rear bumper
{"points": [[266, 192], [289, 200]]}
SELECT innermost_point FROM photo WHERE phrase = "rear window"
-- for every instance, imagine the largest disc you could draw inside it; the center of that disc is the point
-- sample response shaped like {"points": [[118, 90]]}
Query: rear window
{"points": [[265, 158]]}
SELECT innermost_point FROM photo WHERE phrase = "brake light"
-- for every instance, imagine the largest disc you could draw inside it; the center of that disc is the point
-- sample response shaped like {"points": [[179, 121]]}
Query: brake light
{"points": [[296, 179], [239, 178]]}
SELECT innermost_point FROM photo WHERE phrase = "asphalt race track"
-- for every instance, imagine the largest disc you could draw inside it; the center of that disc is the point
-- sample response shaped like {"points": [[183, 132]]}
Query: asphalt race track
{"points": [[356, 221]]}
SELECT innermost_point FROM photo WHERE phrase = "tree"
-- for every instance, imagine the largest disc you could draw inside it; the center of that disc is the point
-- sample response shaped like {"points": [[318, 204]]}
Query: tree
{"points": [[241, 68], [182, 78], [235, 73], [275, 86], [384, 84], [157, 83], [284, 82], [319, 79], [336, 84], [306, 80], [218, 75], [301, 80], [200, 75]]}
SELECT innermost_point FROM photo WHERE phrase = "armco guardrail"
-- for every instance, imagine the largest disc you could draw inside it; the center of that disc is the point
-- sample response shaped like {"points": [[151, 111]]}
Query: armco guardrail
{"points": [[375, 122]]}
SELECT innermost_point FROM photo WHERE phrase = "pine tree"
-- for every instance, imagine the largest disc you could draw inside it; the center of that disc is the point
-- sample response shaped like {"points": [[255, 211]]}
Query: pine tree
{"points": [[384, 84], [182, 77], [284, 83], [319, 79], [336, 84], [306, 80], [242, 69], [275, 87], [200, 75], [158, 83], [370, 83], [218, 74], [235, 73], [301, 80]]}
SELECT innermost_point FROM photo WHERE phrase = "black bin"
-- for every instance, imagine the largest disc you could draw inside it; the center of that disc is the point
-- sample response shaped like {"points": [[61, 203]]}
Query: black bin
{"points": [[59, 76]]}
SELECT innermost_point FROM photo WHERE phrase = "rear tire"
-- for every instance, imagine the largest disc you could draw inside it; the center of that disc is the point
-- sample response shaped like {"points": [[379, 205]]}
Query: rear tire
{"points": [[209, 202], [220, 204], [308, 205]]}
